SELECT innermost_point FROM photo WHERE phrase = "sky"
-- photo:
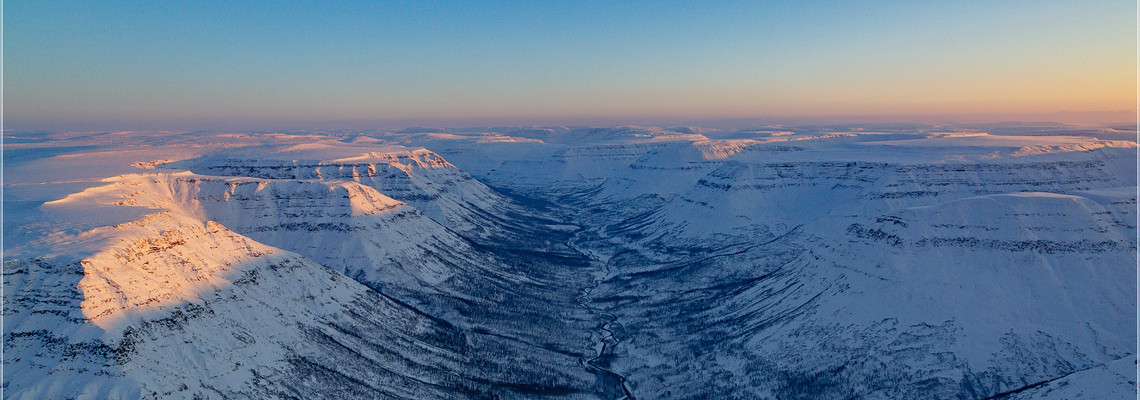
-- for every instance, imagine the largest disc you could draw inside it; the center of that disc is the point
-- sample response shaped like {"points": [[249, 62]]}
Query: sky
{"points": [[104, 65]]}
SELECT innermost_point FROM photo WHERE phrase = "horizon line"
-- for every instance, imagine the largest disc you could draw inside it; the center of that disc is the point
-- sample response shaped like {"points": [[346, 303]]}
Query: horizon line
{"points": [[1114, 118]]}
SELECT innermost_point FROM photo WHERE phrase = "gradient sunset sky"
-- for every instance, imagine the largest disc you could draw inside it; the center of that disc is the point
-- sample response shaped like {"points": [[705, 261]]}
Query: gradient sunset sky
{"points": [[275, 65]]}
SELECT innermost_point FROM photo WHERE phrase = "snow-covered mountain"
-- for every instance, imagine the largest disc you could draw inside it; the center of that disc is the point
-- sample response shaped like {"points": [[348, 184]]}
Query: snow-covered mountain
{"points": [[415, 176], [850, 264], [642, 262]]}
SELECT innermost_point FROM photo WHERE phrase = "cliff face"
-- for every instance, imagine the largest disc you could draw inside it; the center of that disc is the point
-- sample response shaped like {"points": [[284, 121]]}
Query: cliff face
{"points": [[417, 177]]}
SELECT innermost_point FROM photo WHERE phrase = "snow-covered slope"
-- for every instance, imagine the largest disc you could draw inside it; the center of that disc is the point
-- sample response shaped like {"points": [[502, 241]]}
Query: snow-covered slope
{"points": [[1114, 380], [340, 224], [850, 264], [175, 308], [971, 298], [138, 287]]}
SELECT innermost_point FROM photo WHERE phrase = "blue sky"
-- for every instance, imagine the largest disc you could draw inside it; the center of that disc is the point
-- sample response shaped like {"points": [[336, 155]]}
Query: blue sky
{"points": [[191, 65]]}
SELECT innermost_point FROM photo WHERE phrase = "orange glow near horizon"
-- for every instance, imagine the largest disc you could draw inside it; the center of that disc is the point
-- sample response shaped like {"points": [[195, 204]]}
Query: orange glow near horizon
{"points": [[186, 66]]}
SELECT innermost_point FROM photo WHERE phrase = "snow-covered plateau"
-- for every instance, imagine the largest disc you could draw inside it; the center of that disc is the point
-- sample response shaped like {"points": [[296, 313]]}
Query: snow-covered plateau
{"points": [[861, 262]]}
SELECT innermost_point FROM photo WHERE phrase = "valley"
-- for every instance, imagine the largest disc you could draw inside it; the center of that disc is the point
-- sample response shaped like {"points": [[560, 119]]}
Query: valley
{"points": [[572, 262]]}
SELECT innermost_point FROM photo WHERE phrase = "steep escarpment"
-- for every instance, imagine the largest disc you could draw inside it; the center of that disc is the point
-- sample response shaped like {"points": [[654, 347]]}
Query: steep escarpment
{"points": [[340, 224], [741, 196], [417, 177]]}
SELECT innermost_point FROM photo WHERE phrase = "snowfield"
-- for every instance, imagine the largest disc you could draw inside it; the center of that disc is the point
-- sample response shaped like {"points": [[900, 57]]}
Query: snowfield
{"points": [[572, 262]]}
